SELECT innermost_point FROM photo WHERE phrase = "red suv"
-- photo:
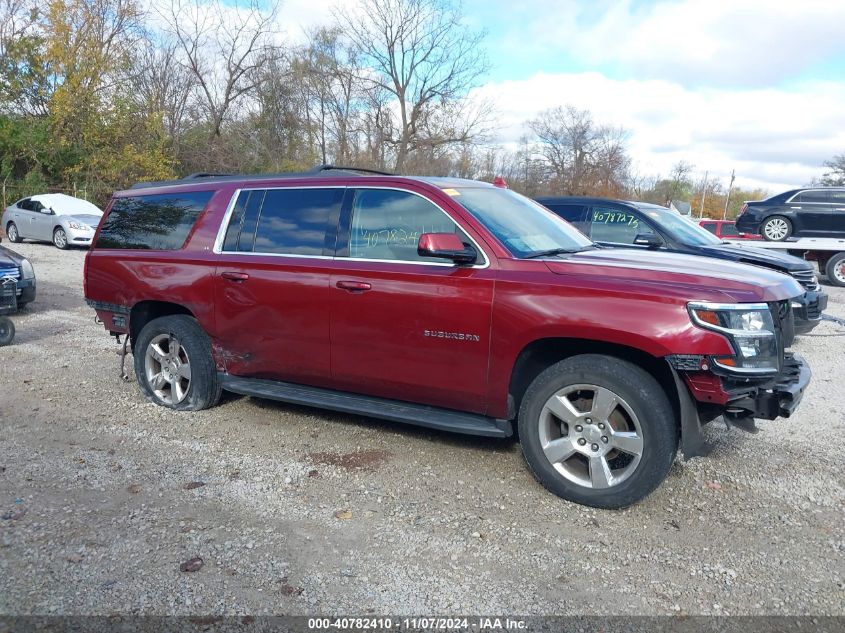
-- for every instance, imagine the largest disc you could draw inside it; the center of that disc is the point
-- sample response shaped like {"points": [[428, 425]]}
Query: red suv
{"points": [[446, 303]]}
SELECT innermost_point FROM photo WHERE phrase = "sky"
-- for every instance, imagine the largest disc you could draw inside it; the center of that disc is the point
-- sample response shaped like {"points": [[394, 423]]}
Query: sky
{"points": [[755, 86]]}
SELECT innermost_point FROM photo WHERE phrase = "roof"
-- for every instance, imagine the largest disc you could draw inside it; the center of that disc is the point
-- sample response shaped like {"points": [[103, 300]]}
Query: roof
{"points": [[64, 204], [321, 171]]}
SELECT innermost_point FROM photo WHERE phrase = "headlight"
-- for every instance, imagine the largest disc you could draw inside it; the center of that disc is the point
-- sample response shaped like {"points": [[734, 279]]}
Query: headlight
{"points": [[750, 329], [78, 226], [27, 271]]}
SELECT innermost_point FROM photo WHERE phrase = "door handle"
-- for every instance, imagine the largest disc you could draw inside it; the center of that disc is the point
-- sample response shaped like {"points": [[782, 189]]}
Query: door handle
{"points": [[233, 276], [354, 286]]}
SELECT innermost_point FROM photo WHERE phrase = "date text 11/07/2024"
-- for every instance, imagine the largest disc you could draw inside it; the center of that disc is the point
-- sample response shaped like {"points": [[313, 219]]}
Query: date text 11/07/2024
{"points": [[418, 624]]}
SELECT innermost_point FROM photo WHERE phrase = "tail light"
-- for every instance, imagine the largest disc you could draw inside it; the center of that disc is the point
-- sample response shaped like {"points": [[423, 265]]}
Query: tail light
{"points": [[743, 208]]}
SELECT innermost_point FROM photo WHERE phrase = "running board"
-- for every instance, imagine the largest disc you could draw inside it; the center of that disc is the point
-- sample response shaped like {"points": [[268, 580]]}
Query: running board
{"points": [[394, 410]]}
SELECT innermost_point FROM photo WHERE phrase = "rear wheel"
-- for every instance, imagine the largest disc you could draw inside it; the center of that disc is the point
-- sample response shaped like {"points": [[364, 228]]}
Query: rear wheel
{"points": [[174, 365], [7, 331], [12, 233], [776, 229], [835, 269], [598, 431], [60, 238]]}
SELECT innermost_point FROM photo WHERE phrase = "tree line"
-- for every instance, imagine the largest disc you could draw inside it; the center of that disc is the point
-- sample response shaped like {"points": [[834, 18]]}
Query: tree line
{"points": [[98, 94]]}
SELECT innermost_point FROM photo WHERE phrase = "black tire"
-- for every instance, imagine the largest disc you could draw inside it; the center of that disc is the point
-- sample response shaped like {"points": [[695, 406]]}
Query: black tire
{"points": [[203, 389], [60, 239], [835, 270], [7, 331], [767, 229], [640, 392], [13, 234]]}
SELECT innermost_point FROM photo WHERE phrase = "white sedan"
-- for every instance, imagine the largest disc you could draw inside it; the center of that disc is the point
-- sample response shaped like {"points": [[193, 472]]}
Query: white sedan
{"points": [[52, 217]]}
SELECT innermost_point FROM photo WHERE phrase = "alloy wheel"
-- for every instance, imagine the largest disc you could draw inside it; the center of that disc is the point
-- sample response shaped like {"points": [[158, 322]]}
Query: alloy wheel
{"points": [[591, 436], [167, 369], [776, 229], [60, 238], [13, 233]]}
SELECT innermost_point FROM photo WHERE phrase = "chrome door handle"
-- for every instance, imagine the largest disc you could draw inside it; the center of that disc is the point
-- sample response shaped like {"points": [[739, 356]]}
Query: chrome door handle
{"points": [[354, 286], [233, 276]]}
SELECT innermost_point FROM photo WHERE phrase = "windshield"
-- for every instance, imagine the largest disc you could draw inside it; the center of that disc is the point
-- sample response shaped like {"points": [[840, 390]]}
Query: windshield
{"points": [[527, 229], [683, 230]]}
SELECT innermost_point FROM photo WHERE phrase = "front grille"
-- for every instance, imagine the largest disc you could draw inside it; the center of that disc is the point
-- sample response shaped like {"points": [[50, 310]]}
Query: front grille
{"points": [[807, 278], [10, 271]]}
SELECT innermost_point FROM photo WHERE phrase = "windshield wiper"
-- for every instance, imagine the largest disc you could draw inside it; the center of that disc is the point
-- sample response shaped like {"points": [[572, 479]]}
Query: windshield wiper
{"points": [[556, 251]]}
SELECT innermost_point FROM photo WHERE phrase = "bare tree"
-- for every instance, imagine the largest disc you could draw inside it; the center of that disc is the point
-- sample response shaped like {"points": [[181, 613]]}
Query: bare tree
{"points": [[835, 176], [419, 52], [162, 85], [582, 156], [222, 45]]}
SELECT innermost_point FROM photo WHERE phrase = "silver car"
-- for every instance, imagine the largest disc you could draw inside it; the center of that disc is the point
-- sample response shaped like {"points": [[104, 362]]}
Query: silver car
{"points": [[52, 217]]}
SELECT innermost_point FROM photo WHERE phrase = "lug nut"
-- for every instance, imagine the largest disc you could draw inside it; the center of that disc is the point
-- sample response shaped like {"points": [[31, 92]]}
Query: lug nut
{"points": [[595, 447], [601, 426], [582, 441], [589, 420], [604, 439], [579, 428]]}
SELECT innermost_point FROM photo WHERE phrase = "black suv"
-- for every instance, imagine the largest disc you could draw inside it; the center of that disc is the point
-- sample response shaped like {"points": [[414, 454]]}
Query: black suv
{"points": [[817, 212], [617, 223]]}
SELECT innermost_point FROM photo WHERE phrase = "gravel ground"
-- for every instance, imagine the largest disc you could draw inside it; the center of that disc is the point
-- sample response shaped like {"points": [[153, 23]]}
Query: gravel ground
{"points": [[292, 510]]}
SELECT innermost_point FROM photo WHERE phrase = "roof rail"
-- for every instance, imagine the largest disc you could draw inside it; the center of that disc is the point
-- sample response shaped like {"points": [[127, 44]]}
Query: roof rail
{"points": [[321, 168], [203, 174], [326, 171]]}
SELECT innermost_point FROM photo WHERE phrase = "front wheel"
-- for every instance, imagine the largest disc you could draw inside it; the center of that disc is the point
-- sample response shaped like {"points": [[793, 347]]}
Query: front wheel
{"points": [[598, 430], [776, 229], [835, 269], [174, 365], [12, 233], [7, 331], [60, 238]]}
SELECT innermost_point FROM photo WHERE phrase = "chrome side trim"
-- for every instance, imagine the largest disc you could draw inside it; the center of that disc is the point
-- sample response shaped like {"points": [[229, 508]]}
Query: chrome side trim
{"points": [[224, 225]]}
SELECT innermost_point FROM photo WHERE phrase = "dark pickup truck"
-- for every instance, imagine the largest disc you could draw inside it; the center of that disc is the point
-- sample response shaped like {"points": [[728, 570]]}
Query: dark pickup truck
{"points": [[446, 303]]}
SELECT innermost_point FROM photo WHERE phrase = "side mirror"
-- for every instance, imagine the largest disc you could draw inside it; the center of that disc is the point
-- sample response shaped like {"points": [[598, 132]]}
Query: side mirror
{"points": [[446, 246], [651, 240]]}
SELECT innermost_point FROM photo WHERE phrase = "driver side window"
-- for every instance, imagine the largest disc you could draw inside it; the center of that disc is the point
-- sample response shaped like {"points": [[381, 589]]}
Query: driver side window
{"points": [[387, 224], [616, 225]]}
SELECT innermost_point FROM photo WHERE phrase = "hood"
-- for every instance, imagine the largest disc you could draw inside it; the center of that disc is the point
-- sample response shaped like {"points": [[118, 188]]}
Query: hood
{"points": [[685, 277], [758, 257], [9, 257]]}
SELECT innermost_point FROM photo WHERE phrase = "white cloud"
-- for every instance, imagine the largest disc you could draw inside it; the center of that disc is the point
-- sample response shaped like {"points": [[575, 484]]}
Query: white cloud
{"points": [[718, 42], [774, 138]]}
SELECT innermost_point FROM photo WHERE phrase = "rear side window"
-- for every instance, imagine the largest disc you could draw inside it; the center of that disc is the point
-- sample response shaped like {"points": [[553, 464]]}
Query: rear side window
{"points": [[294, 221], [729, 230], [812, 196], [283, 221], [572, 213], [157, 222], [710, 226]]}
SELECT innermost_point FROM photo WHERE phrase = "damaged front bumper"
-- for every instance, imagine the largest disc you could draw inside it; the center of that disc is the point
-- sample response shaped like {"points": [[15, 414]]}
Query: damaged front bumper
{"points": [[744, 401]]}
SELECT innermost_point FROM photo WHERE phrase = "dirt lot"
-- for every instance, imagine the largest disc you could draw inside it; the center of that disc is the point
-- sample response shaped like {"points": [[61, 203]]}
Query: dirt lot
{"points": [[304, 511]]}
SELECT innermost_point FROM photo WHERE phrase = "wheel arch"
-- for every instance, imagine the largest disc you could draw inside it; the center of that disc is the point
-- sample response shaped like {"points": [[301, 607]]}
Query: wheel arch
{"points": [[145, 311], [542, 353]]}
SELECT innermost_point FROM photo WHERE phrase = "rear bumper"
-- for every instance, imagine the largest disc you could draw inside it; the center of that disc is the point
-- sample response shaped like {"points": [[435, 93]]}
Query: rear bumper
{"points": [[746, 224]]}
